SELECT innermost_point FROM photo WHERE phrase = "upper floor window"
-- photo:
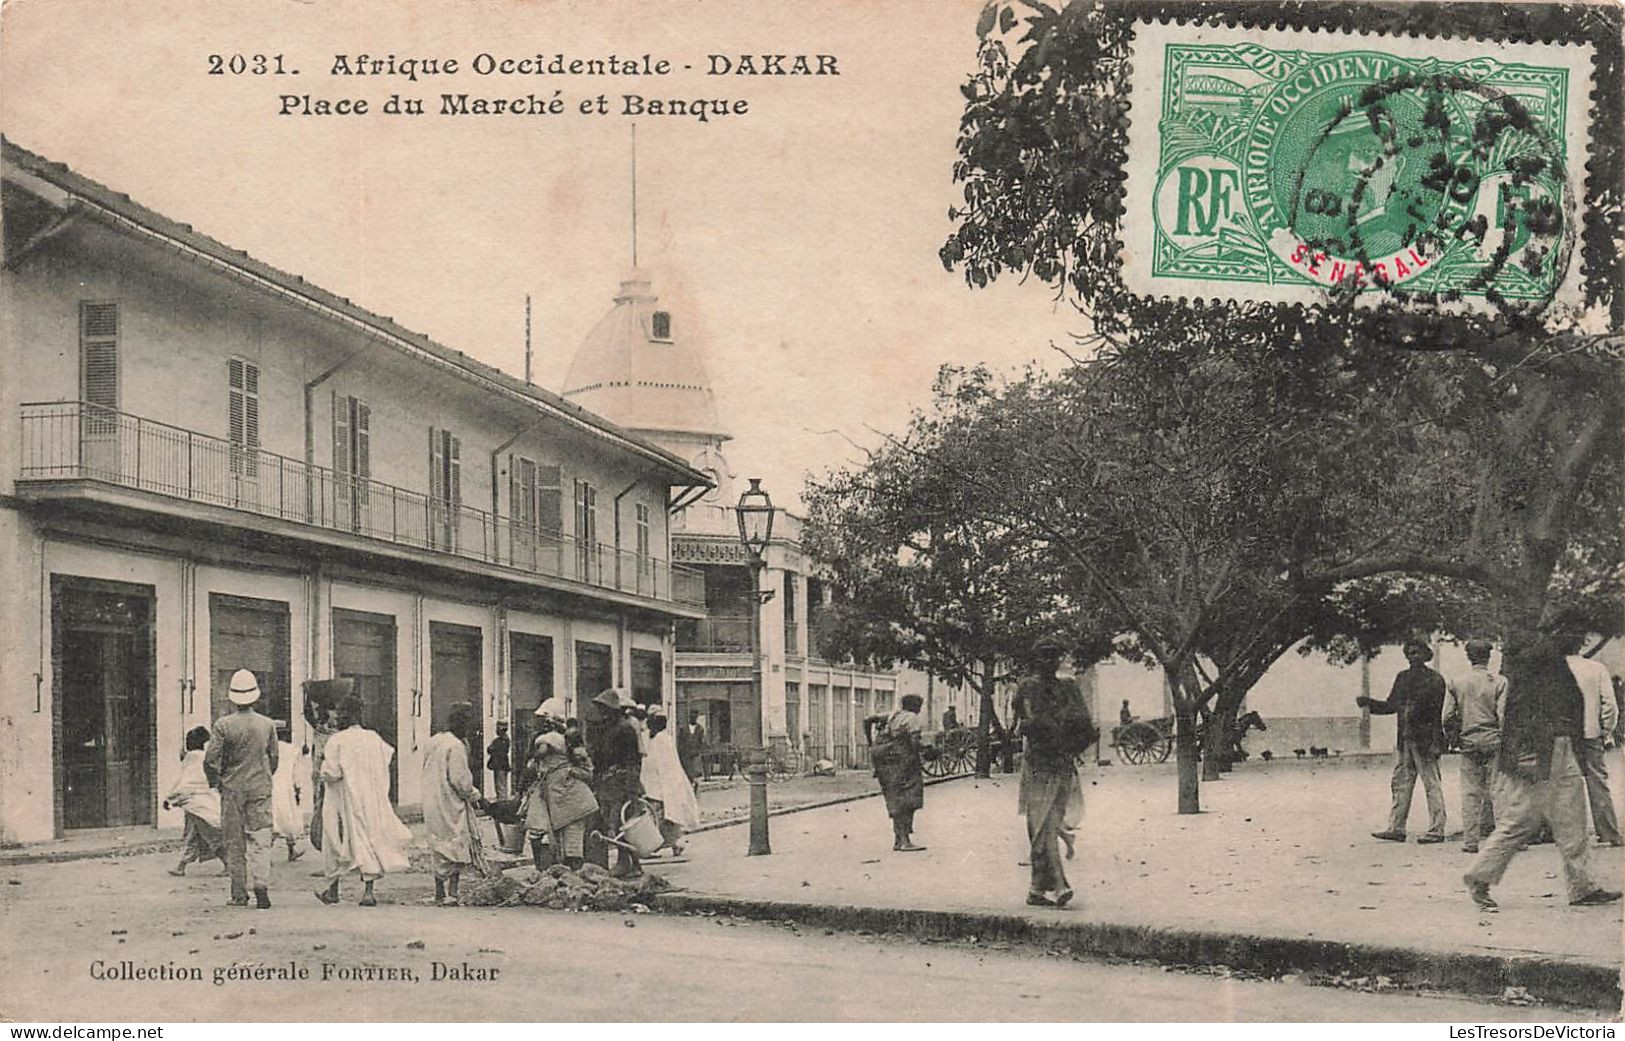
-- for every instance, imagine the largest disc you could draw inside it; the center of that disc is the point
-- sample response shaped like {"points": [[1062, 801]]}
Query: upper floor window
{"points": [[643, 536], [243, 415], [661, 323], [445, 487], [588, 566], [99, 365], [535, 506], [352, 457]]}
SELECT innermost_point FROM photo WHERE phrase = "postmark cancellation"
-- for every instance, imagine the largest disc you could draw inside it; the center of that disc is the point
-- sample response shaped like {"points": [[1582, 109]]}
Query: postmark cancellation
{"points": [[1294, 166]]}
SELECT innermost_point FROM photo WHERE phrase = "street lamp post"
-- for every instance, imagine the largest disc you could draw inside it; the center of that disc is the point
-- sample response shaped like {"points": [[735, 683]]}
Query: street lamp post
{"points": [[755, 515]]}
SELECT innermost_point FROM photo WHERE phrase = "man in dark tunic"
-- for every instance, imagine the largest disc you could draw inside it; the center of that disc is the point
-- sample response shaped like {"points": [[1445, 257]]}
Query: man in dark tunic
{"points": [[1538, 778], [1057, 728], [617, 762], [1417, 699]]}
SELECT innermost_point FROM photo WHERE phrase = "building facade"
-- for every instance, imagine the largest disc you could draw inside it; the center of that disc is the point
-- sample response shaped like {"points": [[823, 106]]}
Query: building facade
{"points": [[211, 464], [748, 688]]}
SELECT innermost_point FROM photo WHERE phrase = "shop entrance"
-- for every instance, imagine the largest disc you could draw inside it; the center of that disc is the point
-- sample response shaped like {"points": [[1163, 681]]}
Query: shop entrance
{"points": [[530, 682], [455, 653], [103, 678], [364, 651]]}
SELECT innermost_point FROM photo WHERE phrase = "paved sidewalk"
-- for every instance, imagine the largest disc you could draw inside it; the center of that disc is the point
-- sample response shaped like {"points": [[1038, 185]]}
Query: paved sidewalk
{"points": [[720, 801], [1282, 850]]}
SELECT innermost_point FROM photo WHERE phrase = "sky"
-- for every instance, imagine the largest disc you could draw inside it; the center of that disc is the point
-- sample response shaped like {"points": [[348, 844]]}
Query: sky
{"points": [[796, 244]]}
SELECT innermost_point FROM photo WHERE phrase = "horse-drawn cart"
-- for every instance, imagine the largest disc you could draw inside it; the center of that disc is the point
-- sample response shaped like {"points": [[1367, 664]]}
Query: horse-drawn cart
{"points": [[1144, 741]]}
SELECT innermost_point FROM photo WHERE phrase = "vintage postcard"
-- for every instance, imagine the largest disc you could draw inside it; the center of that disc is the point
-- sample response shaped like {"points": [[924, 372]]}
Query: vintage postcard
{"points": [[722, 511]]}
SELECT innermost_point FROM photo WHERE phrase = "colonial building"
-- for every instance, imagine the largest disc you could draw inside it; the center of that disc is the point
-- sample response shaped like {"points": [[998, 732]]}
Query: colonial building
{"points": [[211, 464], [638, 368]]}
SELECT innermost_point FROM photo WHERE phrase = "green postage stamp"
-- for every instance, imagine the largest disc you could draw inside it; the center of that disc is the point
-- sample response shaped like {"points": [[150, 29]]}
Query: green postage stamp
{"points": [[1287, 166]]}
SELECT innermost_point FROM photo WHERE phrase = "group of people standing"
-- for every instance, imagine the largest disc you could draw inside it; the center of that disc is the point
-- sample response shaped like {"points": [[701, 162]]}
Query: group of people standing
{"points": [[1533, 741], [241, 789], [583, 779], [1054, 727]]}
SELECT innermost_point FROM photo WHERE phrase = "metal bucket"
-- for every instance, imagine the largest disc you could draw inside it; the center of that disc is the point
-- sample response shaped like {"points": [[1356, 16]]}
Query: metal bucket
{"points": [[641, 832], [510, 837]]}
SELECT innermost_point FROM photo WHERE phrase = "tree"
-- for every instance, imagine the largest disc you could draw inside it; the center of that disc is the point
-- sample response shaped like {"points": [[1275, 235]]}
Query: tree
{"points": [[1534, 395], [926, 581]]}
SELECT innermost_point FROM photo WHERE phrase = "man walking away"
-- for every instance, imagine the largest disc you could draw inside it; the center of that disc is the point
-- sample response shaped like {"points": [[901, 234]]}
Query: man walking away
{"points": [[1417, 699], [448, 792], [241, 758], [1538, 779], [360, 831], [1601, 716], [1473, 705], [499, 760]]}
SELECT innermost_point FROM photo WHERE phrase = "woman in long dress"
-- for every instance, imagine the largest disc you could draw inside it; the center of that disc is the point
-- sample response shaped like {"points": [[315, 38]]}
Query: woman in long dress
{"points": [[894, 743], [201, 804], [360, 831]]}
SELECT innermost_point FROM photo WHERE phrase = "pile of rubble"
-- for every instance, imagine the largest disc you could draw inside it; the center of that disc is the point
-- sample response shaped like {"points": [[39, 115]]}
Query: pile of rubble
{"points": [[588, 889]]}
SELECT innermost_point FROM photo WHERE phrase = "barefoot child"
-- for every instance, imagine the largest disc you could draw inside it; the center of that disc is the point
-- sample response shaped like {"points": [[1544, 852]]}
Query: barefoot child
{"points": [[201, 803]]}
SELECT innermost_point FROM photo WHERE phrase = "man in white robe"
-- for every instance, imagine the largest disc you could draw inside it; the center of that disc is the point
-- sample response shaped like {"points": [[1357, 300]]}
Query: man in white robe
{"points": [[288, 799], [360, 831], [666, 784], [448, 790]]}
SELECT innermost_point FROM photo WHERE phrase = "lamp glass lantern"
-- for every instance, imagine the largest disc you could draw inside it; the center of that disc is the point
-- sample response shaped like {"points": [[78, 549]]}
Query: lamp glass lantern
{"points": [[755, 514]]}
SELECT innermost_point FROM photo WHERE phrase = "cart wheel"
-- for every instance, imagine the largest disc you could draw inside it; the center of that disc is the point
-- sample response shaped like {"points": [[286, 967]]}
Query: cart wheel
{"points": [[932, 765], [1164, 746], [1138, 744]]}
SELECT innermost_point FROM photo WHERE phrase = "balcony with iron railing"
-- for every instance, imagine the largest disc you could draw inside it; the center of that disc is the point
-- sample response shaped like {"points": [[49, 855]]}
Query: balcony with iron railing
{"points": [[714, 635], [75, 441]]}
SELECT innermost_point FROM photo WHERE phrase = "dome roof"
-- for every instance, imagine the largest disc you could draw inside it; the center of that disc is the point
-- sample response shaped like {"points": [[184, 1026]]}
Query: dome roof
{"points": [[633, 370]]}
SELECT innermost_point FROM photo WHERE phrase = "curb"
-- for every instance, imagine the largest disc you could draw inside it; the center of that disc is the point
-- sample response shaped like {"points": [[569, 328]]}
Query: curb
{"points": [[17, 858], [62, 856], [1481, 975], [784, 811]]}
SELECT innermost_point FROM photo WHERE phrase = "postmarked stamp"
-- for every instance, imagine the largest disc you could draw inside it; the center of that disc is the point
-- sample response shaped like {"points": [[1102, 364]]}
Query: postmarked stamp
{"points": [[1296, 166]]}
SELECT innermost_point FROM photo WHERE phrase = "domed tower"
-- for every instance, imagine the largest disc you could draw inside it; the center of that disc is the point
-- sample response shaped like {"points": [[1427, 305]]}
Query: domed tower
{"points": [[636, 370]]}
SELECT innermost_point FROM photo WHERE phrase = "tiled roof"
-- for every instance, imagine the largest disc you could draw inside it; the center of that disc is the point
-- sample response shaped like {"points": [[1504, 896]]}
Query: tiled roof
{"points": [[122, 205]]}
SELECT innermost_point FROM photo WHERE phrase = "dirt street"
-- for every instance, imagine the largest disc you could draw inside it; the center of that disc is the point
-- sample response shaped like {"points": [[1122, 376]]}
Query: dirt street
{"points": [[524, 964]]}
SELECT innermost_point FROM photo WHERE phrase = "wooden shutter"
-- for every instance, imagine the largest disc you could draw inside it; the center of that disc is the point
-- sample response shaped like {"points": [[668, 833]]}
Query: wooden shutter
{"points": [[363, 439], [341, 434], [236, 406], [550, 500], [243, 385], [341, 459], [437, 488], [98, 364], [454, 472]]}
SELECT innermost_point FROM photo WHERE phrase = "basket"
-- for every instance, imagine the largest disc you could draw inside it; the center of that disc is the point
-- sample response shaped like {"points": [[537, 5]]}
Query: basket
{"points": [[510, 837]]}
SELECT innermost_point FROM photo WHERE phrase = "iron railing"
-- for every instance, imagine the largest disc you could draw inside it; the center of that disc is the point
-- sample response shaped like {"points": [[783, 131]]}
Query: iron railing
{"points": [[717, 635], [65, 440]]}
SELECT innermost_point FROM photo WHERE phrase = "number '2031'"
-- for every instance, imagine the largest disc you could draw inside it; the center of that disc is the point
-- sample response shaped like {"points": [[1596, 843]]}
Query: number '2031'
{"points": [[247, 64]]}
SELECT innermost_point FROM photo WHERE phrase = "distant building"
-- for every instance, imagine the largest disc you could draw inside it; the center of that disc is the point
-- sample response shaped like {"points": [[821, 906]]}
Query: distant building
{"points": [[211, 464], [639, 368]]}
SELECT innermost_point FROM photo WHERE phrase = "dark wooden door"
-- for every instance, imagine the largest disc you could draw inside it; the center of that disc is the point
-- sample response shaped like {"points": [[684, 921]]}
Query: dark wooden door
{"points": [[595, 673], [248, 633], [454, 675], [364, 651], [104, 683], [530, 682], [648, 683]]}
